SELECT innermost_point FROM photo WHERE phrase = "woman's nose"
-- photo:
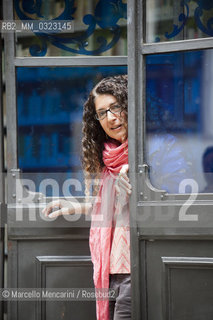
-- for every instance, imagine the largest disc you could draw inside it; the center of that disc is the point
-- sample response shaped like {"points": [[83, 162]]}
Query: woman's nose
{"points": [[110, 115]]}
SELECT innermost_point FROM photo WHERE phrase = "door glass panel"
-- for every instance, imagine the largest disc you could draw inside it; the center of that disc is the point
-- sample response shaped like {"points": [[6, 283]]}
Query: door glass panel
{"points": [[98, 27], [179, 119], [50, 108], [178, 20]]}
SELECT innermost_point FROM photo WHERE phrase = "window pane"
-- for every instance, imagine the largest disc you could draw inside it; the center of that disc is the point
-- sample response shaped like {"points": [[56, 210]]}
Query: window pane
{"points": [[50, 107], [179, 120], [177, 20], [100, 27]]}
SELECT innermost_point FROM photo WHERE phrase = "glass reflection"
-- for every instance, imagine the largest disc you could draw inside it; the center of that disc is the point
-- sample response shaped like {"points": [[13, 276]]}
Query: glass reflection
{"points": [[178, 20], [99, 27], [49, 109], [179, 119]]}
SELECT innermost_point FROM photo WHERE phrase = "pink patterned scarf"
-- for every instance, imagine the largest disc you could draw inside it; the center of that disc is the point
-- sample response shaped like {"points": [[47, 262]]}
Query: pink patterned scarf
{"points": [[114, 157]]}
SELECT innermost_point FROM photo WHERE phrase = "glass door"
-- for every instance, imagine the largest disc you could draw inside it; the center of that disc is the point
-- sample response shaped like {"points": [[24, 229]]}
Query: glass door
{"points": [[58, 52], [170, 69]]}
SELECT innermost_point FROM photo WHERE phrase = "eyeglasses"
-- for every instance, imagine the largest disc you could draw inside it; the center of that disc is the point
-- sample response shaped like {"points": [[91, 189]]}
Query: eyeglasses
{"points": [[115, 109]]}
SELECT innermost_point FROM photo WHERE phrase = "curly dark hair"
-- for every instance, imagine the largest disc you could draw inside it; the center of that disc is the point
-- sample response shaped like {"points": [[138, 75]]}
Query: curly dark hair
{"points": [[93, 134]]}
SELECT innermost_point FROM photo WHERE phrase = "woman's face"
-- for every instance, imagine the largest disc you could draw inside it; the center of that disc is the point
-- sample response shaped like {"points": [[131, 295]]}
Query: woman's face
{"points": [[112, 124]]}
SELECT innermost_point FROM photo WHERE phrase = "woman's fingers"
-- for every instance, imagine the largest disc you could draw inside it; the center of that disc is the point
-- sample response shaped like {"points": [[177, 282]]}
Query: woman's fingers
{"points": [[124, 169], [123, 183], [60, 212], [124, 176], [61, 207], [123, 180], [51, 206], [123, 172]]}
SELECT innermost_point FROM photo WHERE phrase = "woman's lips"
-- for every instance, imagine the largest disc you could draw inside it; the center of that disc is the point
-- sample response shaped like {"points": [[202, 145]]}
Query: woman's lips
{"points": [[117, 127]]}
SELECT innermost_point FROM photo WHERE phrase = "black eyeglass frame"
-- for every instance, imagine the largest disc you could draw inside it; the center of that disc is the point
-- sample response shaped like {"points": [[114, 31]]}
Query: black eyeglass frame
{"points": [[96, 115]]}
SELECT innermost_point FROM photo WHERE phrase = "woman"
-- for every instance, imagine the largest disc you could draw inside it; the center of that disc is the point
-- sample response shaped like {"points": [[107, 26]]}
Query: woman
{"points": [[105, 156]]}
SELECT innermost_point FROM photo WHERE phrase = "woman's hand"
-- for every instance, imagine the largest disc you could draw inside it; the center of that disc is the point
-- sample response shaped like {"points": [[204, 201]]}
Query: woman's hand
{"points": [[64, 207], [61, 207], [122, 182]]}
